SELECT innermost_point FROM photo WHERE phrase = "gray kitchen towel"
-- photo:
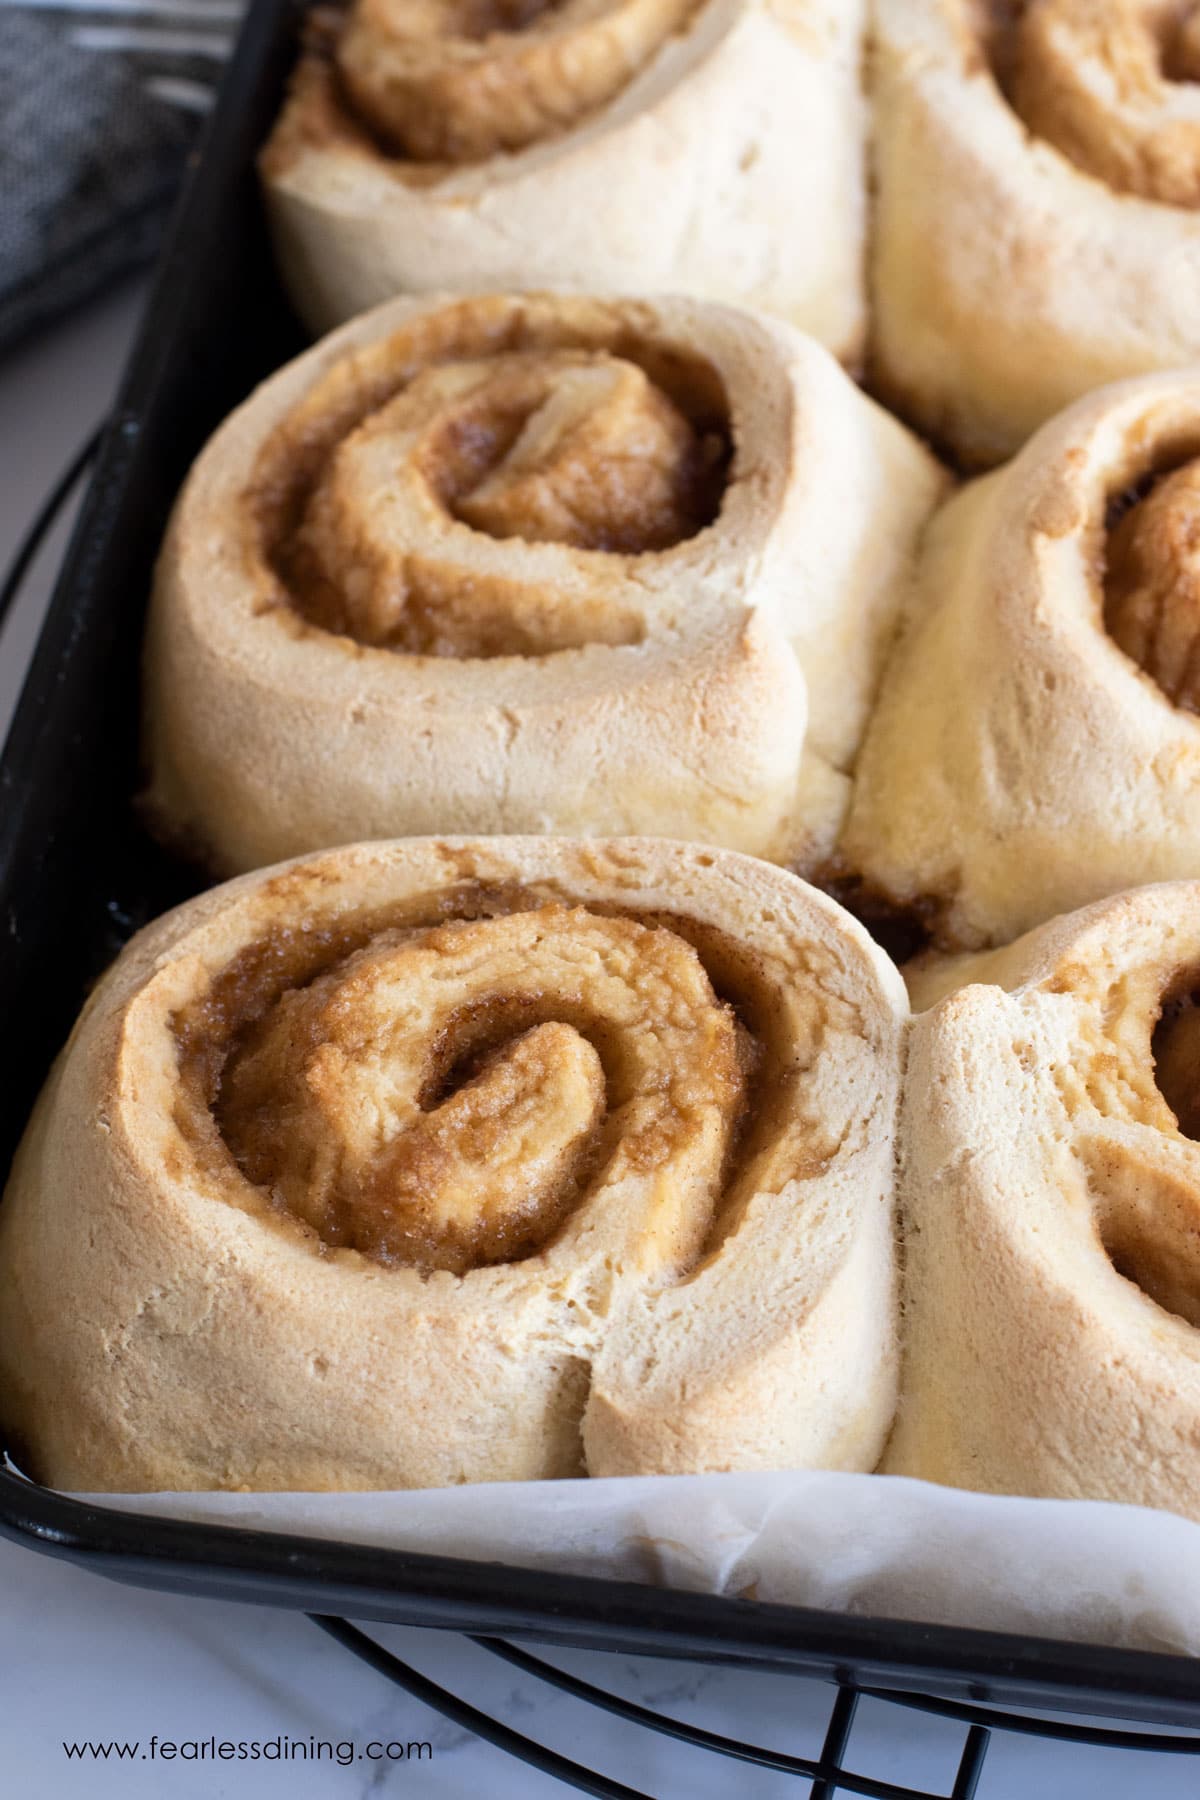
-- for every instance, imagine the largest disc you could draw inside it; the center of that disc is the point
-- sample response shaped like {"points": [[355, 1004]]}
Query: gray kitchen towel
{"points": [[100, 101]]}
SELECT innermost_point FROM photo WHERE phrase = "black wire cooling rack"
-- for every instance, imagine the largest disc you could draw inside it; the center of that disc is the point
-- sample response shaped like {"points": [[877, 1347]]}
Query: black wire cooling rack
{"points": [[828, 1774]]}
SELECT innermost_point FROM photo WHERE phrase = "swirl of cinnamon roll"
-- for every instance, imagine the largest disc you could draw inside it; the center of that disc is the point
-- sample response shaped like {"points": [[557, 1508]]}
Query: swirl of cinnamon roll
{"points": [[712, 147], [442, 1161], [1112, 84], [486, 1173], [1036, 743], [1051, 1208], [457, 80], [1075, 124], [526, 565]]}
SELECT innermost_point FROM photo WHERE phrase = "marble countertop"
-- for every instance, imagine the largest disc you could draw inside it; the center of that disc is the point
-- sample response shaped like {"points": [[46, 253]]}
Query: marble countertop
{"points": [[83, 1660]]}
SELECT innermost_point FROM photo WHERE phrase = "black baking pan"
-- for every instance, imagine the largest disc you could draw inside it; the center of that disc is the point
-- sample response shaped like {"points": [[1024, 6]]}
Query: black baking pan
{"points": [[78, 874]]}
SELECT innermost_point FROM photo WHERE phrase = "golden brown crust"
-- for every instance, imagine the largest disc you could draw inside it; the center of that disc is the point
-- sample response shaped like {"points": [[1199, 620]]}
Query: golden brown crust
{"points": [[443, 1160]]}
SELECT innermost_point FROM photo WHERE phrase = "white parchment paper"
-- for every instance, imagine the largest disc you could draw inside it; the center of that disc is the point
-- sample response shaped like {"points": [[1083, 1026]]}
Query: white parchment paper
{"points": [[867, 1544]]}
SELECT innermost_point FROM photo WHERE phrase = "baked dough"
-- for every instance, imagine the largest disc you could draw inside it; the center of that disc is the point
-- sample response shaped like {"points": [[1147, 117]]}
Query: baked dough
{"points": [[1036, 232], [432, 1161], [532, 564], [710, 147], [1036, 743], [1051, 1205]]}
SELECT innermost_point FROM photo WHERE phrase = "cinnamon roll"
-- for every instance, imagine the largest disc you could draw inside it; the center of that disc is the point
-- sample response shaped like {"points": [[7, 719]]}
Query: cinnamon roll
{"points": [[531, 565], [1037, 231], [713, 147], [1051, 1199], [1037, 741], [442, 1161]]}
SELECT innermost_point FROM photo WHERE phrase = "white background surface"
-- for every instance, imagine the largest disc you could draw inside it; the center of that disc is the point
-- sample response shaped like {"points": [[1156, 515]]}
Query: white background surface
{"points": [[81, 1658]]}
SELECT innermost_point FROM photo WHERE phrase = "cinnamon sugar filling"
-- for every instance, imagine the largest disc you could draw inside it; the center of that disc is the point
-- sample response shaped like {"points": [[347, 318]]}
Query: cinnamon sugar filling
{"points": [[1112, 84], [377, 505], [457, 81], [1146, 1202], [444, 1085], [1151, 579]]}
